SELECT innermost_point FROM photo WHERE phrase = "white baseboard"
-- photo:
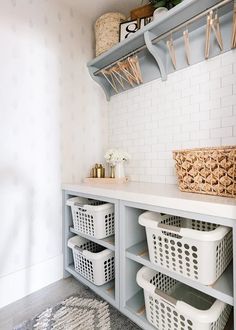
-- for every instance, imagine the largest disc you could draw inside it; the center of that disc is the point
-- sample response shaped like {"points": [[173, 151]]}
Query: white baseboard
{"points": [[24, 282]]}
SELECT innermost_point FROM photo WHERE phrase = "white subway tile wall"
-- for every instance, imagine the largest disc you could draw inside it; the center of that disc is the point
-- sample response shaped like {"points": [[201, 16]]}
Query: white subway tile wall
{"points": [[195, 107]]}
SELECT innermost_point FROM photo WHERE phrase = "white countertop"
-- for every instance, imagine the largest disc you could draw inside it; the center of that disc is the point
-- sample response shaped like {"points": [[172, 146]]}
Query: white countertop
{"points": [[163, 195]]}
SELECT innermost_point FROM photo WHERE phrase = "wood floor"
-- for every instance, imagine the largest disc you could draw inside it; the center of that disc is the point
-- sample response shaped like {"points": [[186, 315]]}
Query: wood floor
{"points": [[35, 303], [30, 306]]}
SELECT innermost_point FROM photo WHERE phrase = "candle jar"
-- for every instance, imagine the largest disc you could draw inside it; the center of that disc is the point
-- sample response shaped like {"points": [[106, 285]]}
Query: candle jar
{"points": [[112, 171]]}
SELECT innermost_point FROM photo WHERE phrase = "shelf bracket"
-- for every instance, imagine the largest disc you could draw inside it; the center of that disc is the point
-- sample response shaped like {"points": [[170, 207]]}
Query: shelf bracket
{"points": [[157, 52], [101, 81]]}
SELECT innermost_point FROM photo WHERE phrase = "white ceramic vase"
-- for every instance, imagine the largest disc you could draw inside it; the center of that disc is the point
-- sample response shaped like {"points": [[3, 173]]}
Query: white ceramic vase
{"points": [[159, 12], [120, 170]]}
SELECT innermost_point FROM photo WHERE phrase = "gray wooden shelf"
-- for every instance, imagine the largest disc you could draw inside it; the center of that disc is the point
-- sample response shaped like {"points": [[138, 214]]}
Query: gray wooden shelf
{"points": [[108, 242], [107, 291], [110, 290], [222, 289], [154, 66]]}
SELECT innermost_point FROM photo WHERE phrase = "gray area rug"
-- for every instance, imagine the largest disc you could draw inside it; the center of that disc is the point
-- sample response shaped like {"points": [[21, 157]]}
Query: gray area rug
{"points": [[79, 313]]}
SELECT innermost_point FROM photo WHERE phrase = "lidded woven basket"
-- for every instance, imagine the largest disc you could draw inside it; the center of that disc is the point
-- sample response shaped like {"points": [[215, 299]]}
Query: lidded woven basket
{"points": [[107, 31], [207, 170]]}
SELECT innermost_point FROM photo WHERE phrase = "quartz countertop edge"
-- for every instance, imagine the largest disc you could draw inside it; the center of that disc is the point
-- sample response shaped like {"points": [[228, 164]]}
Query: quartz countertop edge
{"points": [[162, 195]]}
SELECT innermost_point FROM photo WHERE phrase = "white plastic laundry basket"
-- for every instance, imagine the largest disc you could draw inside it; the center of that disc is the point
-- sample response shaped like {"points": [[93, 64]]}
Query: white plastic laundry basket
{"points": [[91, 217], [92, 261], [195, 249], [171, 305]]}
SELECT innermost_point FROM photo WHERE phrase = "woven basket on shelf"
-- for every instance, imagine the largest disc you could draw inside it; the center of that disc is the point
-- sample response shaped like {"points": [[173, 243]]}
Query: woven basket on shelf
{"points": [[143, 11], [107, 31], [207, 170]]}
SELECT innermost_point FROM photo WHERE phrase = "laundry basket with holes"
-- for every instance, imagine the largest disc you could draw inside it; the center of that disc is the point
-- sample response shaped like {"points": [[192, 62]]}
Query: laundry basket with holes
{"points": [[171, 305], [195, 249], [92, 261], [92, 217]]}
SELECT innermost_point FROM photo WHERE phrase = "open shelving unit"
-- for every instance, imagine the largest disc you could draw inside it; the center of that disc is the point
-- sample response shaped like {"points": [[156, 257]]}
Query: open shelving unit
{"points": [[131, 254], [134, 255], [149, 43], [108, 291]]}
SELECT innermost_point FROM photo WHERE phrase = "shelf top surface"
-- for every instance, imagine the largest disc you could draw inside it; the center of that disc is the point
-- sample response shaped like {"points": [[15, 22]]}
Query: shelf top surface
{"points": [[161, 195]]}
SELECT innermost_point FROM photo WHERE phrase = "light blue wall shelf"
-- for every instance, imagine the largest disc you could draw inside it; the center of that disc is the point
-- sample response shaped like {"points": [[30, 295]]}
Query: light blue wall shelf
{"points": [[154, 58]]}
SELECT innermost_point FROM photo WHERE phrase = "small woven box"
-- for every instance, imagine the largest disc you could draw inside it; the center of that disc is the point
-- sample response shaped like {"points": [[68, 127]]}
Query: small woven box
{"points": [[207, 170], [143, 11]]}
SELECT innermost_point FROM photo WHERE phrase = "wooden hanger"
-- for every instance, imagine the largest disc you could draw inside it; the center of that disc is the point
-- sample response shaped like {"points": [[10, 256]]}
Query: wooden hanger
{"points": [[215, 25], [135, 67], [113, 80], [132, 69], [106, 73], [119, 73], [208, 35], [217, 20], [187, 45], [170, 46], [233, 40], [129, 67], [118, 78], [125, 71]]}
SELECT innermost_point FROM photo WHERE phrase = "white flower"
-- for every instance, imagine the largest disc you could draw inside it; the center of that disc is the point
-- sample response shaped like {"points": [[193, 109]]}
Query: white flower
{"points": [[114, 156]]}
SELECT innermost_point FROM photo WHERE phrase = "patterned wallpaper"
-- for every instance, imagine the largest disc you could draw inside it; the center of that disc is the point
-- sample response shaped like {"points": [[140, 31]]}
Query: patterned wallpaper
{"points": [[52, 128]]}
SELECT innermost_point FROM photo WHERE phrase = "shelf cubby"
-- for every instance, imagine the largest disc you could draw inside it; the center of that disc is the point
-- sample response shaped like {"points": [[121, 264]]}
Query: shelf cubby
{"points": [[133, 300], [108, 242], [135, 308], [106, 291], [222, 289]]}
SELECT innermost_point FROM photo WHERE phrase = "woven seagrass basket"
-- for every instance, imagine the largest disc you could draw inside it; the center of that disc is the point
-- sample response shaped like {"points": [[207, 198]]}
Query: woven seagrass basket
{"points": [[107, 31], [143, 11], [209, 171]]}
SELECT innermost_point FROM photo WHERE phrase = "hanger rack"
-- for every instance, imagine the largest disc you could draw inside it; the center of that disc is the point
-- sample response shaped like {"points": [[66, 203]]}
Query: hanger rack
{"points": [[152, 41], [168, 33]]}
